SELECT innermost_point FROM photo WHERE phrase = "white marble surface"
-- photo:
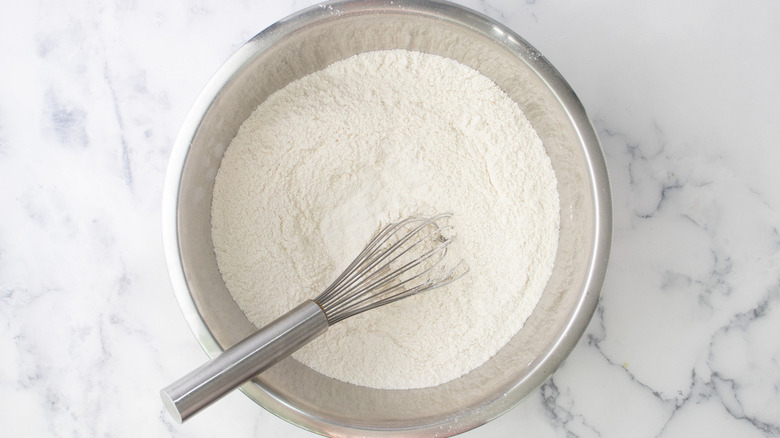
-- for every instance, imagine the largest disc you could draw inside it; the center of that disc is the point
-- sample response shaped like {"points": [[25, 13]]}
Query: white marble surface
{"points": [[686, 101]]}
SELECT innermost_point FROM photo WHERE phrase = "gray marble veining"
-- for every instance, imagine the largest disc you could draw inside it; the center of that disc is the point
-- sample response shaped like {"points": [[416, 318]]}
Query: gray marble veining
{"points": [[685, 100]]}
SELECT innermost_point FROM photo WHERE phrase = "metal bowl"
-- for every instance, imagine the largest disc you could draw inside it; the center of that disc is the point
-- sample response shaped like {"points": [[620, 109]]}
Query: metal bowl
{"points": [[309, 41]]}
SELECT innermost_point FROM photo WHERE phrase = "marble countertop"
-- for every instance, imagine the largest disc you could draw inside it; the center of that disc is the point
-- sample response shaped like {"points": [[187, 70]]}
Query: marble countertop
{"points": [[686, 101]]}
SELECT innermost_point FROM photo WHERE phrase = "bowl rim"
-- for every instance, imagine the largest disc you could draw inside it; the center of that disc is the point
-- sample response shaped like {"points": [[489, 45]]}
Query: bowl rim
{"points": [[475, 21]]}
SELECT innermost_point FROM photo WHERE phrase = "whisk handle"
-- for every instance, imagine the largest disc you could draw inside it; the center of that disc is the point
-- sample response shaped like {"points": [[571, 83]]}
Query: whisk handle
{"points": [[239, 363]]}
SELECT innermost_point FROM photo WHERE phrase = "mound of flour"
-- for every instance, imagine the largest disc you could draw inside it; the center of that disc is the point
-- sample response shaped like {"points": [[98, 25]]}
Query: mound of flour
{"points": [[324, 163]]}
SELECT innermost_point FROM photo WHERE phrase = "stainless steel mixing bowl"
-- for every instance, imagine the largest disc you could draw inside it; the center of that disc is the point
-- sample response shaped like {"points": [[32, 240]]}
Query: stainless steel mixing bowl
{"points": [[308, 41]]}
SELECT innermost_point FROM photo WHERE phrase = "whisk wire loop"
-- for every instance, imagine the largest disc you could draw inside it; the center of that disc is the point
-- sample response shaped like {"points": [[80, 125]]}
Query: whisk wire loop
{"points": [[362, 302], [331, 293], [404, 259], [366, 275], [358, 293], [448, 277], [363, 263]]}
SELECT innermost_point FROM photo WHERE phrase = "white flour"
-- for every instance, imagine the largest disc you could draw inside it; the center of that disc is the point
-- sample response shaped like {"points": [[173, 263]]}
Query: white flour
{"points": [[327, 161]]}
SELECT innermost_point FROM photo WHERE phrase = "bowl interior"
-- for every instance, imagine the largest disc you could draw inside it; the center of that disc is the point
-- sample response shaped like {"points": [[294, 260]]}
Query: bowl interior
{"points": [[313, 39]]}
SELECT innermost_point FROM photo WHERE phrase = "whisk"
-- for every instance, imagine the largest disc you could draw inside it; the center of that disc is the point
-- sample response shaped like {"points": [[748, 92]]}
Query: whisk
{"points": [[403, 259]]}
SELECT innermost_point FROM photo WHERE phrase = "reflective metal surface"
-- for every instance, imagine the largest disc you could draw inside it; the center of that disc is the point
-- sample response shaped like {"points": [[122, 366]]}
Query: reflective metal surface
{"points": [[308, 41], [236, 365]]}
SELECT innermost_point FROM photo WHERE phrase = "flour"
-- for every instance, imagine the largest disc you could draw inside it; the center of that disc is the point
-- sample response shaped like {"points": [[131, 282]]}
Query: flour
{"points": [[324, 163]]}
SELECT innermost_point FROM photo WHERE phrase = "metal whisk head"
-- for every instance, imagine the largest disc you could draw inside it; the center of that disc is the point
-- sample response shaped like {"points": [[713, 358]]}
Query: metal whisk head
{"points": [[403, 259]]}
